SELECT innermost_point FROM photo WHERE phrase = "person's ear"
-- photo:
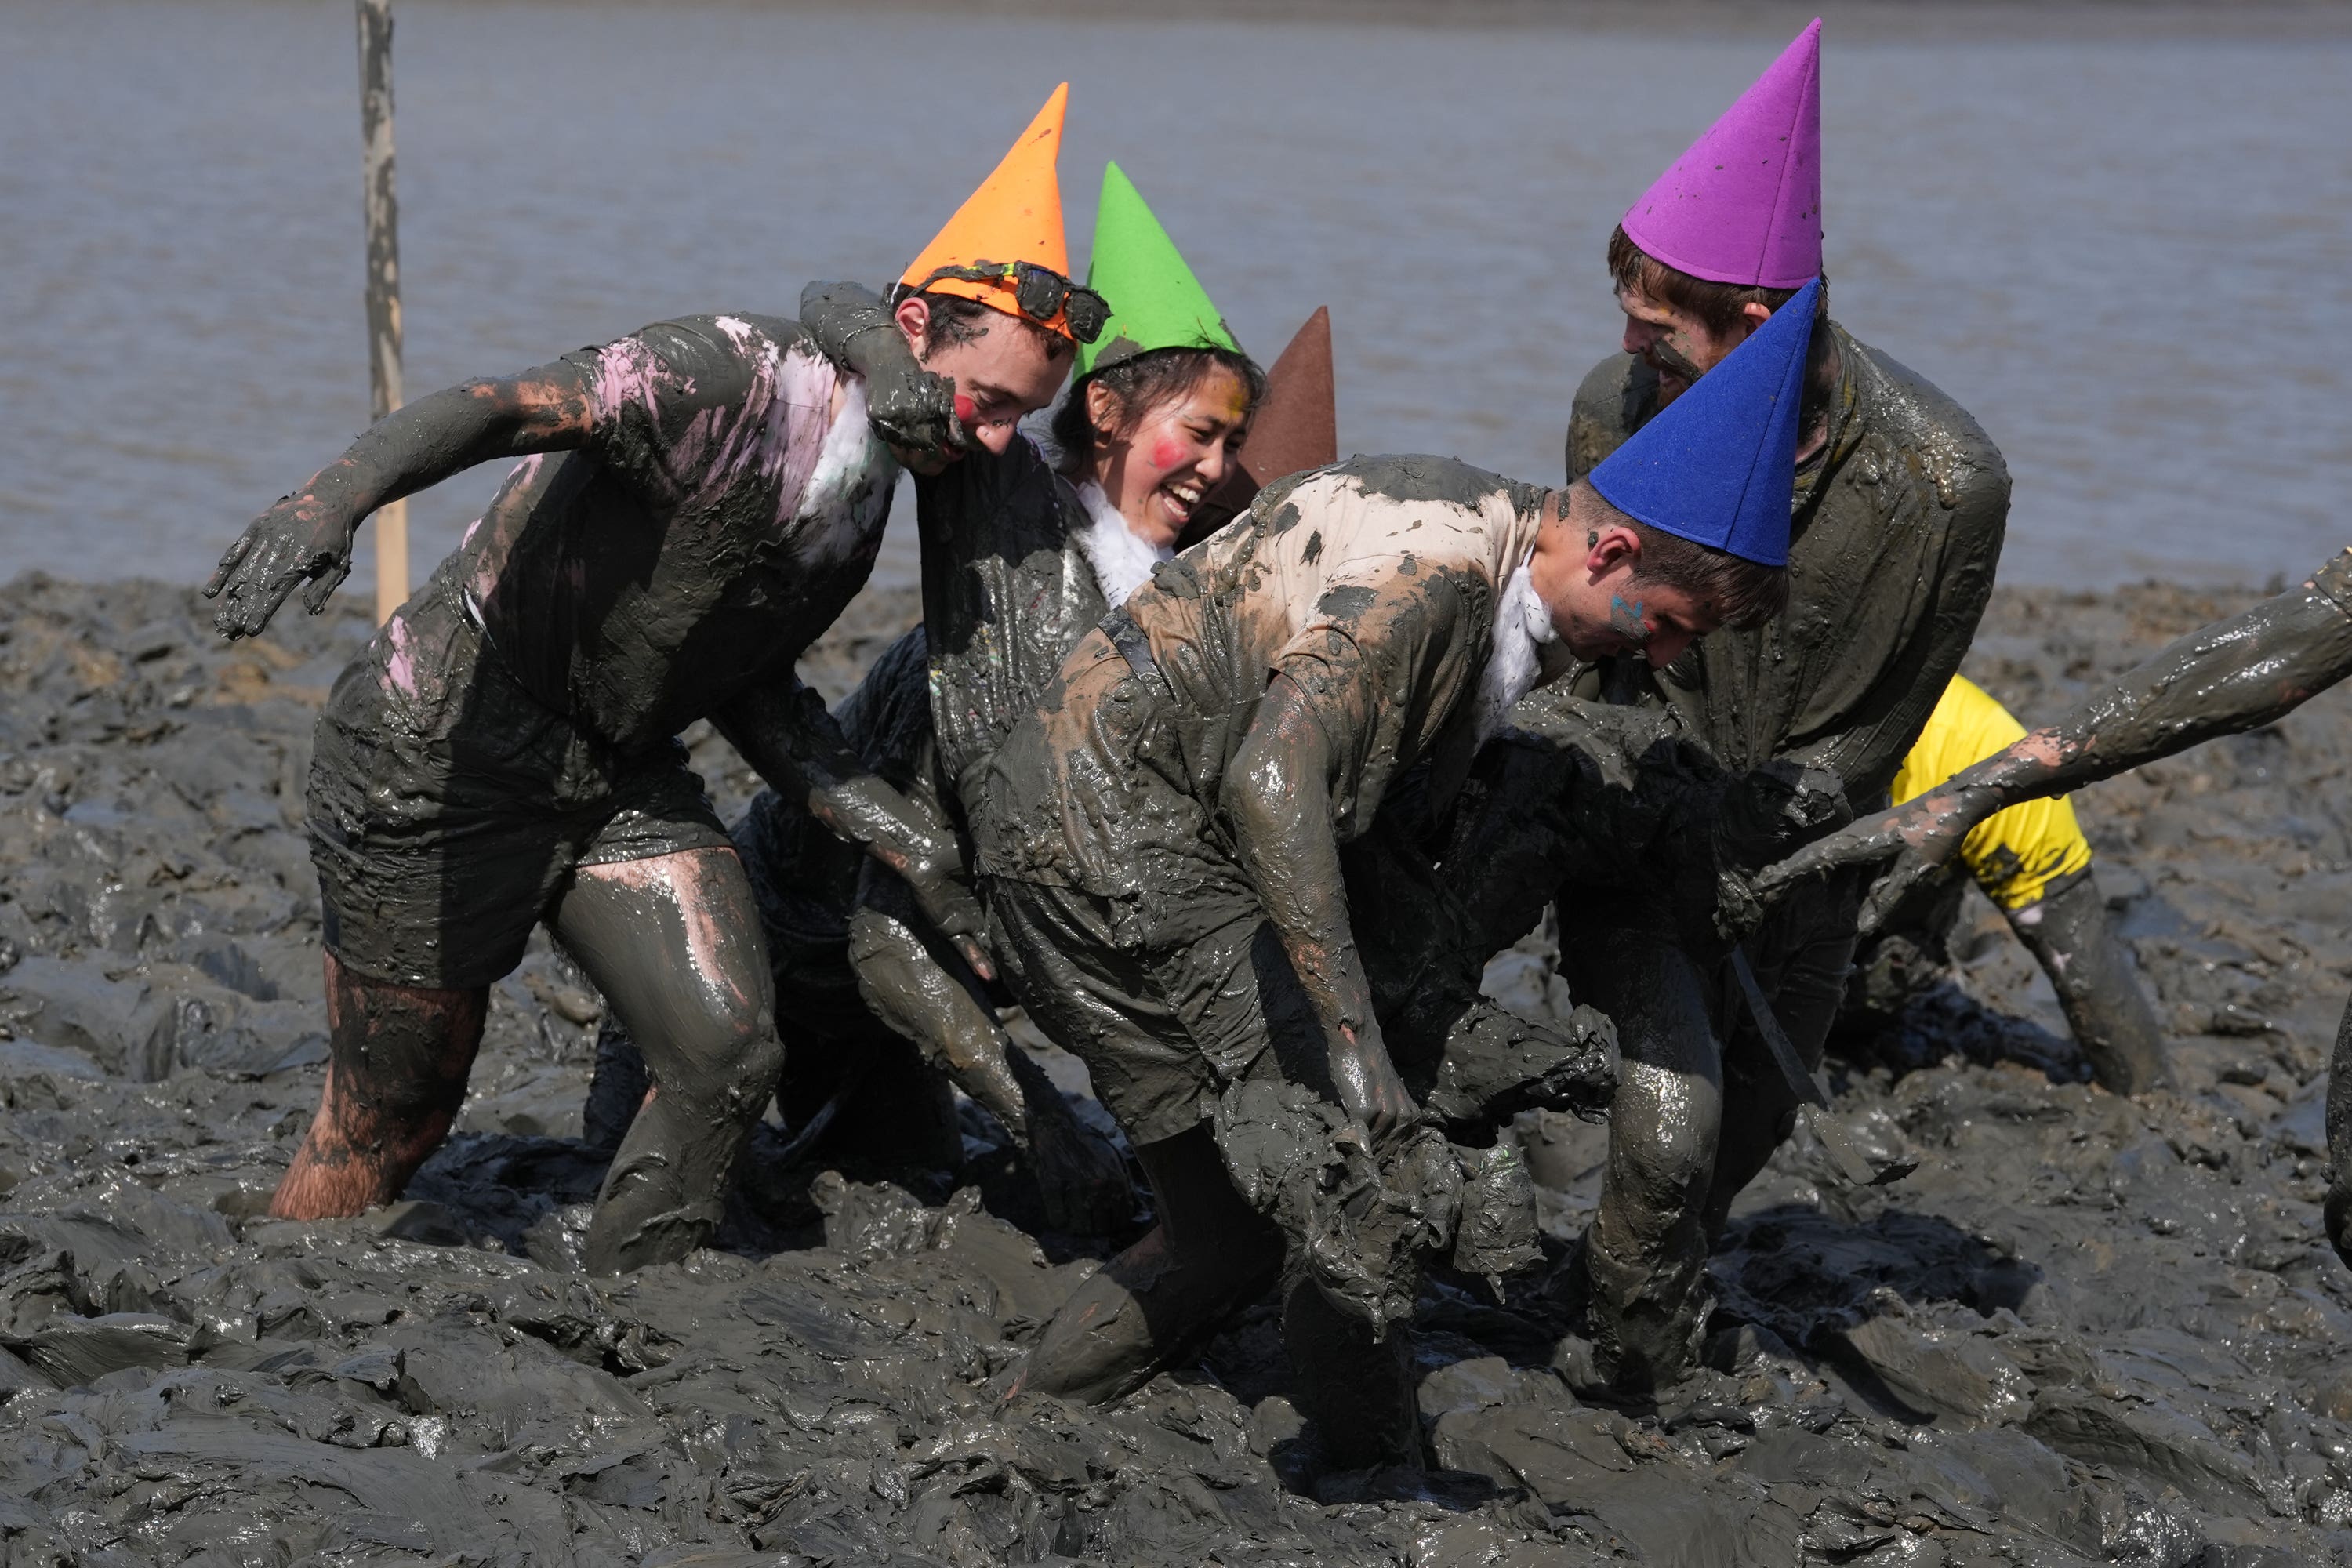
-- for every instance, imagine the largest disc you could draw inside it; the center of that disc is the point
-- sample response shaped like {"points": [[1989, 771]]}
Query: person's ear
{"points": [[1615, 546], [1755, 313], [1102, 408], [914, 318]]}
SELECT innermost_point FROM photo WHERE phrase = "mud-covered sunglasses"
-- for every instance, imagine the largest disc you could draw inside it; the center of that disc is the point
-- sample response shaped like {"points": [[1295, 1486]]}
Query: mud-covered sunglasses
{"points": [[1040, 292]]}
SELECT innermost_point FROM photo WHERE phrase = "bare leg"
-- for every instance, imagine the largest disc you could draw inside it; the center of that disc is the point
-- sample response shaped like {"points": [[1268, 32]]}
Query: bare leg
{"points": [[2069, 933], [1209, 1252], [674, 944], [398, 1058]]}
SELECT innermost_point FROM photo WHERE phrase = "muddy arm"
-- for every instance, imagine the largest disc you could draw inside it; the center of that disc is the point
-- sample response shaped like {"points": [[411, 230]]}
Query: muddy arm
{"points": [[2231, 676], [907, 406], [782, 729], [307, 536], [1278, 796], [926, 995]]}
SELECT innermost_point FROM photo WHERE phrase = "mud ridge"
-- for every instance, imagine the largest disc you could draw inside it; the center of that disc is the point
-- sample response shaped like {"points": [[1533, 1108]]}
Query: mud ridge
{"points": [[2086, 1330]]}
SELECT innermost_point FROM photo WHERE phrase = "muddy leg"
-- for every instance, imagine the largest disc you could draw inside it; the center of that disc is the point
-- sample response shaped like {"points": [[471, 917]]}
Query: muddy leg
{"points": [[1645, 1253], [1357, 1390], [398, 1056], [2105, 1006], [1209, 1252], [616, 1090], [1803, 970], [921, 987], [674, 943]]}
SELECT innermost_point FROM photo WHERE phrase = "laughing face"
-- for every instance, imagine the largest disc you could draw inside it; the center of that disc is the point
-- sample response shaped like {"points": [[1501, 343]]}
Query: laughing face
{"points": [[1156, 464]]}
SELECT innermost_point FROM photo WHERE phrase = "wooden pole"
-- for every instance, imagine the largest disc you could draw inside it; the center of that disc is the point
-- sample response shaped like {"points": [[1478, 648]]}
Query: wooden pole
{"points": [[383, 282]]}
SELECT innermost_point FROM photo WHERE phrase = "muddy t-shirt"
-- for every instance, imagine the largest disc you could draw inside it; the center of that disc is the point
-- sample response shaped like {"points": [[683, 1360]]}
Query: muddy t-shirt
{"points": [[1371, 584], [721, 514], [1895, 534], [1005, 595]]}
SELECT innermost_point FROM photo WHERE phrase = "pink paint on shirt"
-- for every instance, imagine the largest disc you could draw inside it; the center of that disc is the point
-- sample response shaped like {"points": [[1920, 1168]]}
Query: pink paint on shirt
{"points": [[628, 371], [401, 668]]}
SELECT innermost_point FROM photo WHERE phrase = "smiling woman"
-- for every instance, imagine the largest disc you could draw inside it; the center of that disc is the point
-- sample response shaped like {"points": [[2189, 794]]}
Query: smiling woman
{"points": [[1163, 398]]}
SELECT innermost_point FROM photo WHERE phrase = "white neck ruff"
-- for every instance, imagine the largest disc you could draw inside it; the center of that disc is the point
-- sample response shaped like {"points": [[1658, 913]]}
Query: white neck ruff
{"points": [[1522, 624], [1122, 562]]}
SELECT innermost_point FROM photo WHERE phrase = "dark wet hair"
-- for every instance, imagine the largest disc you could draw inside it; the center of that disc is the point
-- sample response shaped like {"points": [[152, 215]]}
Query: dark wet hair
{"points": [[956, 320], [1742, 593], [1140, 382], [1720, 307]]}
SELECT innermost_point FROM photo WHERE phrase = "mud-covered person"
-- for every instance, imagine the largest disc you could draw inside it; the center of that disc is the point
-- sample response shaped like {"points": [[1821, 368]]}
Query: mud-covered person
{"points": [[2033, 863], [697, 502], [1163, 853], [1023, 551], [2224, 678], [1897, 516]]}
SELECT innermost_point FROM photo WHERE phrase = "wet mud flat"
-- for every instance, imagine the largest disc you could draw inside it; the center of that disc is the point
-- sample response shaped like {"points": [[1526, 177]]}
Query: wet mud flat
{"points": [[2083, 1329]]}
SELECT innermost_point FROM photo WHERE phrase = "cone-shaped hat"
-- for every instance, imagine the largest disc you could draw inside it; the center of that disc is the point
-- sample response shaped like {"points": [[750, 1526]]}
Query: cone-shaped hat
{"points": [[1297, 427], [1716, 465], [1155, 301], [1744, 205], [1014, 215]]}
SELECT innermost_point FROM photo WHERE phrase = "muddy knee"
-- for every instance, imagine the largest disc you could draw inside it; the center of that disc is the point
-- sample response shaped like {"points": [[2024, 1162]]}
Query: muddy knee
{"points": [[1664, 1126]]}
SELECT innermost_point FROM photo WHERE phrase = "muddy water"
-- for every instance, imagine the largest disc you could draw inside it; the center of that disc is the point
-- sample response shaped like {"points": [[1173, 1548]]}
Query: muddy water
{"points": [[2086, 1330], [2125, 246]]}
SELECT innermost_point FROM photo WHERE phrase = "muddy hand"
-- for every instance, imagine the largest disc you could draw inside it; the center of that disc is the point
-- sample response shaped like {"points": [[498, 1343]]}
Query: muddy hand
{"points": [[1926, 831], [914, 411], [299, 540], [1372, 1091], [953, 911]]}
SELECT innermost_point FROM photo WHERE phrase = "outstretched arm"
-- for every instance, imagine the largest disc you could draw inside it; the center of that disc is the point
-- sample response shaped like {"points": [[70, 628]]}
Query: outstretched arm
{"points": [[2223, 678], [307, 536], [782, 729], [1278, 796]]}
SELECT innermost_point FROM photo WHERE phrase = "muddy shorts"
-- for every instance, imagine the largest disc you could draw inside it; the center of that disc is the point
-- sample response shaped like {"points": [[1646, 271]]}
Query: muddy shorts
{"points": [[448, 808], [1166, 1001]]}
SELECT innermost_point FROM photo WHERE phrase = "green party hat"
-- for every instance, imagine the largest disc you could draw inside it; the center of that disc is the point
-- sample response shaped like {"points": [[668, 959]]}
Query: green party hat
{"points": [[1155, 301]]}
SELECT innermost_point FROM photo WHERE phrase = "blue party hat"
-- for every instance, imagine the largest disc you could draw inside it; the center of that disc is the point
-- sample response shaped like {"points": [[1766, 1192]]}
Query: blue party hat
{"points": [[1716, 465]]}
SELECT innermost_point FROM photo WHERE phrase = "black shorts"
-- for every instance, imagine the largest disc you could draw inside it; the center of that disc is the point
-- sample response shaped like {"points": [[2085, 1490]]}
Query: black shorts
{"points": [[448, 808]]}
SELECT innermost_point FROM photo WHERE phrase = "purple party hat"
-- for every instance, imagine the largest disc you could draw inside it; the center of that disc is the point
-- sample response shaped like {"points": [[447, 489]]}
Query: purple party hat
{"points": [[1744, 205]]}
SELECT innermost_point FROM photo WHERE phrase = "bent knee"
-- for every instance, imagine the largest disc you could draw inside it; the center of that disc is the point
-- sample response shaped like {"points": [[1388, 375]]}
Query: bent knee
{"points": [[1663, 1130], [716, 1057]]}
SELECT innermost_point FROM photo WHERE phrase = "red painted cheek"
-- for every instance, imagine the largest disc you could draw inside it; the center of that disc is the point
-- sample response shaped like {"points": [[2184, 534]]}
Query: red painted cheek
{"points": [[1168, 453], [966, 409]]}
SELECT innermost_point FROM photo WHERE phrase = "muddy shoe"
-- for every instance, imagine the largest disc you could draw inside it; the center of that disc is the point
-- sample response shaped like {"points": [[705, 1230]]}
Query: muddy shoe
{"points": [[1498, 1063]]}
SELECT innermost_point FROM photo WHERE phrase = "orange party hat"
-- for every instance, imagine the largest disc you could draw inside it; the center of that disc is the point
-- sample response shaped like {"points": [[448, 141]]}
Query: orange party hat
{"points": [[1014, 215]]}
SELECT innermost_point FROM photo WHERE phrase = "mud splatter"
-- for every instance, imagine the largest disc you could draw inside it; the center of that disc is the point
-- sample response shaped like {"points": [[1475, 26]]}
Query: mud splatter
{"points": [[2086, 1330]]}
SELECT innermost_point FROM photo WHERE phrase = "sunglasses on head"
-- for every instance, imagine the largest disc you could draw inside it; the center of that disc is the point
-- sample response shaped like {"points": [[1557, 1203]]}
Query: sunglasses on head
{"points": [[1040, 292]]}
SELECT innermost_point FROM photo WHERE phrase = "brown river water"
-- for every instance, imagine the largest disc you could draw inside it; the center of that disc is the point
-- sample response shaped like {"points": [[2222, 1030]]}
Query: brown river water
{"points": [[2128, 247]]}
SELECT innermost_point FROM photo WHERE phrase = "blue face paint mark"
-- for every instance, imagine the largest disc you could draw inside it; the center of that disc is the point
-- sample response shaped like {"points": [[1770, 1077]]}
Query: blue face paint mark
{"points": [[1628, 621]]}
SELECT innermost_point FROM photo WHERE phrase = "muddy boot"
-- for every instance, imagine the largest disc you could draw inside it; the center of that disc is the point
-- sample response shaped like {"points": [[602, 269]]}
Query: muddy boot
{"points": [[1356, 1389], [1209, 1255]]}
